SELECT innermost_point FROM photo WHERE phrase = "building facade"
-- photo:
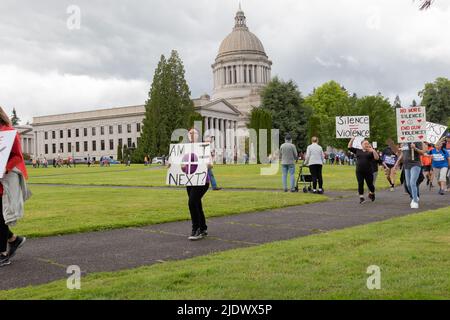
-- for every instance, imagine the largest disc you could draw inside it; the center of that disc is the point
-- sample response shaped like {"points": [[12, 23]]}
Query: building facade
{"points": [[240, 71]]}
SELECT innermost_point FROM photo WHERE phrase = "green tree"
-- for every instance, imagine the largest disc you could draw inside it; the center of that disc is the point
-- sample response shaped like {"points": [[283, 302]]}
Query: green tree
{"points": [[327, 102], [382, 117], [119, 153], [261, 119], [436, 98], [15, 120], [287, 109], [169, 107]]}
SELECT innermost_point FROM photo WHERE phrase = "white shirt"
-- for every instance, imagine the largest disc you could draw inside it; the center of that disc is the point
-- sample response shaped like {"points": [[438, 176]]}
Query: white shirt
{"points": [[314, 155]]}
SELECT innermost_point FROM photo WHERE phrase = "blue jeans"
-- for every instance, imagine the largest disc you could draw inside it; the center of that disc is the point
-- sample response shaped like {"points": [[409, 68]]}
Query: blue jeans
{"points": [[411, 177], [212, 179], [291, 169]]}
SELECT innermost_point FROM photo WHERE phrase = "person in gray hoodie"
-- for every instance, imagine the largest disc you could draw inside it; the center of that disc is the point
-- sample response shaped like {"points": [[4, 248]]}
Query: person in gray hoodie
{"points": [[289, 157]]}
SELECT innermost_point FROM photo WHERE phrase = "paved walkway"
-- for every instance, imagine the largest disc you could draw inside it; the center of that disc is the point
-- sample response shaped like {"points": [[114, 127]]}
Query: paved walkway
{"points": [[46, 259]]}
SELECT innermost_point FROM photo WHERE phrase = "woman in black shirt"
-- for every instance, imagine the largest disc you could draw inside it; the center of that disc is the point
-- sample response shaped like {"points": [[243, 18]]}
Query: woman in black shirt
{"points": [[364, 168]]}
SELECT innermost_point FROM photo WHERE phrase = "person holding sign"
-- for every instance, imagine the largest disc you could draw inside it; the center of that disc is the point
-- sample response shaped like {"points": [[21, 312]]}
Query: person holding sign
{"points": [[364, 168], [389, 161], [412, 165], [195, 194], [441, 163], [15, 161]]}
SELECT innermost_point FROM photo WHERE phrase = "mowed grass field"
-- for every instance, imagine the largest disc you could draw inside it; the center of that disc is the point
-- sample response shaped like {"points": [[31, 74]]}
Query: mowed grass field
{"points": [[228, 176], [70, 209], [412, 252]]}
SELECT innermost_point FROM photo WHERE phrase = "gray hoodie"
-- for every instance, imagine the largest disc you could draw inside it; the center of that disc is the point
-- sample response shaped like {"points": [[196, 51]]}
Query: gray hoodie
{"points": [[15, 193]]}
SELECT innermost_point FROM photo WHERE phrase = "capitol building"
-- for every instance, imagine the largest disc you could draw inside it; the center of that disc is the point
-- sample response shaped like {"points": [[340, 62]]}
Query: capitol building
{"points": [[240, 71]]}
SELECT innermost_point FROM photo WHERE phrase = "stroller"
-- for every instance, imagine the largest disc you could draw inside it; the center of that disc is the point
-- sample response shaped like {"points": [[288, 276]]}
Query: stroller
{"points": [[304, 179]]}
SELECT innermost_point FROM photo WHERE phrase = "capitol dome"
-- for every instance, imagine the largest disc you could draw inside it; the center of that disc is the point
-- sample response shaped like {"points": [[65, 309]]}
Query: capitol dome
{"points": [[241, 40]]}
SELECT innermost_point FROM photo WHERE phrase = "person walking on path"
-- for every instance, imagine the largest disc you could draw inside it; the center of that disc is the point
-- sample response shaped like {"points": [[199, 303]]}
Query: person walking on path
{"points": [[315, 159], [210, 170], [195, 194], [440, 163], [427, 167], [15, 162], [364, 168], [389, 160], [288, 160], [410, 156]]}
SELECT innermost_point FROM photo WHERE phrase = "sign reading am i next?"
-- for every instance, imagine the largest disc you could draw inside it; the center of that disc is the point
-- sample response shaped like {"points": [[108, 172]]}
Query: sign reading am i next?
{"points": [[411, 124], [188, 164]]}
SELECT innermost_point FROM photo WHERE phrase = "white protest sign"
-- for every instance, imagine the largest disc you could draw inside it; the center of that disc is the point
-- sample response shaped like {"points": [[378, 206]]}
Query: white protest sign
{"points": [[435, 132], [354, 126], [6, 143], [411, 124], [357, 143], [188, 164]]}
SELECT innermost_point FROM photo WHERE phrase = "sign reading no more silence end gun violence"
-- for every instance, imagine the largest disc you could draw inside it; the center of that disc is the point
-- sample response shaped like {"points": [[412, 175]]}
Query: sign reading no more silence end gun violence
{"points": [[411, 124]]}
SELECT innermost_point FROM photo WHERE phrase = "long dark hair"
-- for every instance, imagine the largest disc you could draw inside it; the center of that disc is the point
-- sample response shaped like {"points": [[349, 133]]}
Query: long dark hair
{"points": [[4, 119]]}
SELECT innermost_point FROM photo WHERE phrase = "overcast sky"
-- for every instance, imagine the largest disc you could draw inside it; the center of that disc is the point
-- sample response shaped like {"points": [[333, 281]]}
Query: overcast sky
{"points": [[368, 46]]}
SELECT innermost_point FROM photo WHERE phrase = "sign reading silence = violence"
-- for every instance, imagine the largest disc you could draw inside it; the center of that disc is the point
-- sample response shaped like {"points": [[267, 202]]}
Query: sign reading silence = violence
{"points": [[348, 127], [411, 124]]}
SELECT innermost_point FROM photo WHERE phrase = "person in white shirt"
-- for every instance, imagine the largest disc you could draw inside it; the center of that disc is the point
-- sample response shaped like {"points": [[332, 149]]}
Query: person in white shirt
{"points": [[314, 159]]}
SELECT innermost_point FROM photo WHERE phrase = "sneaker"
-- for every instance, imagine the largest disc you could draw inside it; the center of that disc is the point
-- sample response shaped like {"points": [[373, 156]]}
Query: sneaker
{"points": [[321, 191], [414, 205], [17, 244], [362, 200], [196, 235], [441, 192], [285, 190], [392, 189], [4, 260], [372, 196], [204, 233]]}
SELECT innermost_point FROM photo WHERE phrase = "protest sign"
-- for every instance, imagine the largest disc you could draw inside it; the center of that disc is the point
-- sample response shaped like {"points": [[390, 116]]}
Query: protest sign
{"points": [[354, 126], [411, 124], [435, 132], [357, 143], [6, 143], [188, 164]]}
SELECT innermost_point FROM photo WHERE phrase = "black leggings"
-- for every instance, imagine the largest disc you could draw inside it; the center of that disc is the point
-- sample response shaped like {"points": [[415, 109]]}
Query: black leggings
{"points": [[195, 206], [365, 176], [316, 173], [5, 233]]}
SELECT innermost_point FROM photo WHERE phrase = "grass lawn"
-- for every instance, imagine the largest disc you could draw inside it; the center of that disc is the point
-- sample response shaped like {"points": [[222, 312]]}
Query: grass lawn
{"points": [[61, 210], [231, 176], [412, 251]]}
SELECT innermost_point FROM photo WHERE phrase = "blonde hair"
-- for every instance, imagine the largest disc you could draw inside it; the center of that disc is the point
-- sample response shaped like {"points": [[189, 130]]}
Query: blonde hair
{"points": [[4, 119]]}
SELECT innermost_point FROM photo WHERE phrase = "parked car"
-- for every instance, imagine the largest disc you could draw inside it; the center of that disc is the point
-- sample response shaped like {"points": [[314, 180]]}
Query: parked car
{"points": [[158, 160]]}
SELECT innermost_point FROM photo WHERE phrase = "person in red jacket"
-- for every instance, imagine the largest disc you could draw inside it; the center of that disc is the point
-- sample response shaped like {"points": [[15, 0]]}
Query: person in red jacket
{"points": [[7, 238]]}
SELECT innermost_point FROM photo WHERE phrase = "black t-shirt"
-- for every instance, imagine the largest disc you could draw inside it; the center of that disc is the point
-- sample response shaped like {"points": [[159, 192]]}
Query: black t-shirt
{"points": [[364, 160]]}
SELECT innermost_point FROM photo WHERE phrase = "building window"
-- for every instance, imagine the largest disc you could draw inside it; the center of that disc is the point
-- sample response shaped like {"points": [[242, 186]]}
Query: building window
{"points": [[46, 135], [111, 130], [85, 146], [77, 133], [69, 147], [94, 132], [94, 145], [102, 145], [53, 134], [61, 147], [77, 147], [119, 128], [46, 148], [130, 142], [54, 148], [138, 127], [61, 134], [121, 143], [69, 133], [111, 144], [245, 74], [102, 131], [85, 132], [129, 128]]}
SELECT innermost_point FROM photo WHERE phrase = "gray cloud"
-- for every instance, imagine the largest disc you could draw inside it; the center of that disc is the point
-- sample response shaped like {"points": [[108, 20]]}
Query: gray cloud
{"points": [[368, 46]]}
